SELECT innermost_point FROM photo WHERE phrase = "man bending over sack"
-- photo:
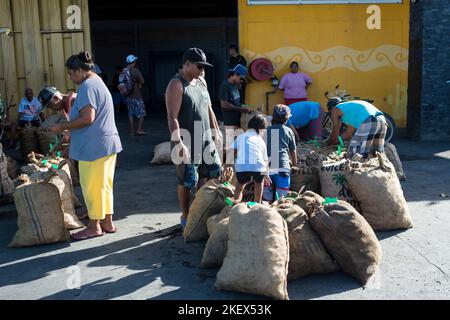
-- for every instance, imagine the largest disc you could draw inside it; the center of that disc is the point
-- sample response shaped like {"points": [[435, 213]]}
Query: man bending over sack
{"points": [[366, 126]]}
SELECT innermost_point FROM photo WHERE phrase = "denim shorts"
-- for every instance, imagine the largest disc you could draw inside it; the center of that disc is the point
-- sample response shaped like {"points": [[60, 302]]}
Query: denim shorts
{"points": [[189, 174]]}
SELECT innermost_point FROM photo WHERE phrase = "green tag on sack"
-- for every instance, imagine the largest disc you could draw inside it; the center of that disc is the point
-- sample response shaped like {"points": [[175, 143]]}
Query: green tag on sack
{"points": [[226, 184], [330, 200], [44, 162], [339, 151], [55, 167], [51, 147], [58, 154], [251, 204], [229, 202], [277, 196]]}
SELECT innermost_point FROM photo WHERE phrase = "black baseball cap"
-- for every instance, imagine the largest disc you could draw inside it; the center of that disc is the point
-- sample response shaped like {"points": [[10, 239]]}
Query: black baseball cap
{"points": [[196, 55]]}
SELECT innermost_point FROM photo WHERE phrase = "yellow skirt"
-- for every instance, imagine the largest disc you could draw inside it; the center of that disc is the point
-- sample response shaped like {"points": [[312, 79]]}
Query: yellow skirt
{"points": [[96, 179]]}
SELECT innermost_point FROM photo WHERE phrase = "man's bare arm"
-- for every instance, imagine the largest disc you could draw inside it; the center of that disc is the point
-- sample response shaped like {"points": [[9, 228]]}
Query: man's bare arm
{"points": [[174, 98], [228, 106]]}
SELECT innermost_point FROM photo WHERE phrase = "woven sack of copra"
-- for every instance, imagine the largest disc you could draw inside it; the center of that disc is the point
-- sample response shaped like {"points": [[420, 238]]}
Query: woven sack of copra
{"points": [[40, 215], [162, 154], [257, 258], [378, 189], [307, 255], [209, 200], [348, 237]]}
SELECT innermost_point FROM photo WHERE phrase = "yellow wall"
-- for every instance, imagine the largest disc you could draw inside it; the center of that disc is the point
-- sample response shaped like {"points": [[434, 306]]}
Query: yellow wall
{"points": [[35, 56], [334, 46]]}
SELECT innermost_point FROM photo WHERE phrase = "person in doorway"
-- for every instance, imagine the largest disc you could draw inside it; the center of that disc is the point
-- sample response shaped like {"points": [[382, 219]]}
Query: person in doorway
{"points": [[230, 101], [295, 85], [252, 161], [306, 120], [237, 59], [191, 118], [280, 146], [95, 143], [366, 126], [135, 101], [118, 99], [30, 114]]}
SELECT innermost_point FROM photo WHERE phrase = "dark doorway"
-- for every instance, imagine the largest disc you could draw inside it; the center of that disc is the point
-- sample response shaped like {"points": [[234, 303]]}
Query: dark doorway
{"points": [[158, 32]]}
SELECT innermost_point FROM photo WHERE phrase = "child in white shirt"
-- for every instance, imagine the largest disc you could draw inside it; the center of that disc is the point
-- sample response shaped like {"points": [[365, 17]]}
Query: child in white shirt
{"points": [[252, 161]]}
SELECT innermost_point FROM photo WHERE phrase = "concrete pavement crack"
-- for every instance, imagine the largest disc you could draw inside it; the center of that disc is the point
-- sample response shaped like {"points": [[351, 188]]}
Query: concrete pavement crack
{"points": [[423, 256]]}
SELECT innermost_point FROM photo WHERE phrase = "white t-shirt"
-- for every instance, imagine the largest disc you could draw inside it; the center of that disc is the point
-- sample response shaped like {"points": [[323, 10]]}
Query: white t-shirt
{"points": [[251, 152], [30, 110]]}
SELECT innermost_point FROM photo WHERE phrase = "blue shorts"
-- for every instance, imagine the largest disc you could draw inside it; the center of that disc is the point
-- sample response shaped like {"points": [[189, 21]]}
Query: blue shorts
{"points": [[136, 108], [281, 184], [189, 174]]}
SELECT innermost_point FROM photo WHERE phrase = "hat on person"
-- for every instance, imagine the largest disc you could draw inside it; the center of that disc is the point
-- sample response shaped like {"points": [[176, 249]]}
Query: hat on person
{"points": [[240, 70], [196, 55], [46, 95], [281, 111], [131, 58]]}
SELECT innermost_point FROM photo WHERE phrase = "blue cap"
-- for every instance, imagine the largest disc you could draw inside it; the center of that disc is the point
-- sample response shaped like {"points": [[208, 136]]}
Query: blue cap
{"points": [[131, 58], [240, 70]]}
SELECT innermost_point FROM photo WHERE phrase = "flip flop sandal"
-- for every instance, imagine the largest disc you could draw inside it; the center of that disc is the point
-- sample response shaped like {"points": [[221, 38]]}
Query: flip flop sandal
{"points": [[76, 239], [111, 232]]}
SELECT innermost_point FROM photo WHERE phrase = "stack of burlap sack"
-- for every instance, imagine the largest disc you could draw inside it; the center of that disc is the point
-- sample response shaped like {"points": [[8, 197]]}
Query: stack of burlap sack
{"points": [[260, 247], [45, 201], [6, 175], [371, 186], [39, 139]]}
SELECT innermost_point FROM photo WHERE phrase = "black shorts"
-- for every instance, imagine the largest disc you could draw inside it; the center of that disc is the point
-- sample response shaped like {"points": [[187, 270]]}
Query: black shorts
{"points": [[245, 177]]}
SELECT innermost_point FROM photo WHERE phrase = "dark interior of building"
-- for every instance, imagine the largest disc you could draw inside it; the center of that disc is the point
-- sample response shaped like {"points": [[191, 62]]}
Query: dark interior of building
{"points": [[158, 32]]}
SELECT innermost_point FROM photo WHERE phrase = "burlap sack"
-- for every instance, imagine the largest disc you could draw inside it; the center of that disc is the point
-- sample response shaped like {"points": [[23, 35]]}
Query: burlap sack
{"points": [[40, 215], [391, 153], [257, 259], [348, 238], [209, 201], [29, 169], [217, 245], [162, 154], [333, 182], [6, 184], [64, 184], [377, 188], [28, 141], [307, 255], [66, 165], [305, 177], [213, 221], [12, 168], [306, 201], [45, 138]]}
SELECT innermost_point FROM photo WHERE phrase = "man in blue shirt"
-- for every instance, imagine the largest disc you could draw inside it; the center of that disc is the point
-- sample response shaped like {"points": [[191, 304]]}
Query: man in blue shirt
{"points": [[306, 120], [29, 115]]}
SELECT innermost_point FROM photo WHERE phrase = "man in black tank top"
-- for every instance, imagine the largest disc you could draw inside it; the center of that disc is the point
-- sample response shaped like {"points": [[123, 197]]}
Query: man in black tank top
{"points": [[192, 124]]}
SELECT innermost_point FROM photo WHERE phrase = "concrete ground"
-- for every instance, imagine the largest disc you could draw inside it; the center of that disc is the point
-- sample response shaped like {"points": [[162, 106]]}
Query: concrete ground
{"points": [[148, 259]]}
